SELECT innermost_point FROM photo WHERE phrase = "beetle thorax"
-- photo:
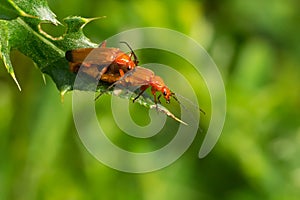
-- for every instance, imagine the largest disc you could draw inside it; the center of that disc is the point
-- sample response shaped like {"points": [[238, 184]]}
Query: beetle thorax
{"points": [[157, 82]]}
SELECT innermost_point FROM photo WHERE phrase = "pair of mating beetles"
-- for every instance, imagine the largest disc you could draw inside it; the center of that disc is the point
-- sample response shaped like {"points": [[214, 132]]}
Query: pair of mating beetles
{"points": [[111, 65]]}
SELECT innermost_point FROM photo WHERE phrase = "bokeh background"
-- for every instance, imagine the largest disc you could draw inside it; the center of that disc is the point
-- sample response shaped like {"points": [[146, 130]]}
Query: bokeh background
{"points": [[256, 46]]}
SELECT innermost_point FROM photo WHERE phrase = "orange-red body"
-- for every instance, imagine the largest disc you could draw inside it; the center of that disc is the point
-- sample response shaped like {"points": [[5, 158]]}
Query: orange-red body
{"points": [[146, 78], [102, 63]]}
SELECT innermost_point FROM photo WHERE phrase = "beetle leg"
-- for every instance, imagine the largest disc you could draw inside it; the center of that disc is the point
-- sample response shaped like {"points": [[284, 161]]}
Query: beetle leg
{"points": [[159, 98], [156, 100], [142, 91], [153, 91], [103, 71], [143, 88], [121, 72]]}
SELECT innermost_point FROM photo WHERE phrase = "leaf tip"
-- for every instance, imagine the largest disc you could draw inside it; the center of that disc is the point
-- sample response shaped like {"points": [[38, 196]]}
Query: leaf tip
{"points": [[88, 20], [12, 74], [167, 112], [76, 23]]}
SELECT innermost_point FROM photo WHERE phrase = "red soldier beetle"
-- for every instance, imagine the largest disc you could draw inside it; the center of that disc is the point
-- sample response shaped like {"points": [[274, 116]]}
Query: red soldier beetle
{"points": [[104, 63], [144, 79]]}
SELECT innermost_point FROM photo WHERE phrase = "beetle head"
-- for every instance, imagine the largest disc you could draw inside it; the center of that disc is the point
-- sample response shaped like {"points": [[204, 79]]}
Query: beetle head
{"points": [[167, 93]]}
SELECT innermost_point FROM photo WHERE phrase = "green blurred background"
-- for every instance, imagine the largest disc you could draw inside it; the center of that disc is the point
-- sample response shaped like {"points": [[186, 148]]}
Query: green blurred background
{"points": [[256, 46]]}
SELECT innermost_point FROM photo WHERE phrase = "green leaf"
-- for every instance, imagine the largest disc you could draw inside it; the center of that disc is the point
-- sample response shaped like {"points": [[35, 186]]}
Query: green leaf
{"points": [[24, 33], [9, 10], [20, 29]]}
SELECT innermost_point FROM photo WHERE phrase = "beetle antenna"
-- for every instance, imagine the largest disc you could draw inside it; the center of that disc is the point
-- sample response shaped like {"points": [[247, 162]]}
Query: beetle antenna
{"points": [[106, 90], [174, 97], [135, 57]]}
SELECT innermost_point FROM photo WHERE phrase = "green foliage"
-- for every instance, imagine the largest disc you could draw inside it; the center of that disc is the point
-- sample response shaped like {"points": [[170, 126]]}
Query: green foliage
{"points": [[23, 32], [255, 44]]}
